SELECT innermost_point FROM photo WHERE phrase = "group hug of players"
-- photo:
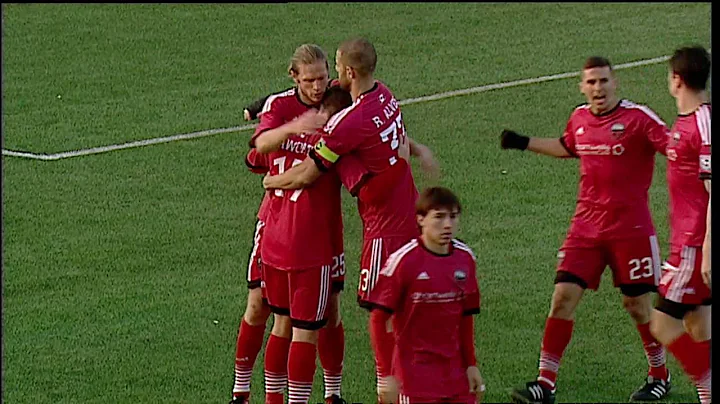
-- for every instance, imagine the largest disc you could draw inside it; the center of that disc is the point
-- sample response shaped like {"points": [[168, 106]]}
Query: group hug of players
{"points": [[322, 135]]}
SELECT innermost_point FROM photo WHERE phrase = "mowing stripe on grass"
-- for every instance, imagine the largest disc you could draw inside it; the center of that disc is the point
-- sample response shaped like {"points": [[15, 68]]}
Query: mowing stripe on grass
{"points": [[409, 101]]}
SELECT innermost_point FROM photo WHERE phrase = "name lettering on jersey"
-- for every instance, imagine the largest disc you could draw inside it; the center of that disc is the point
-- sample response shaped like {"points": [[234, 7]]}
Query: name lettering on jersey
{"points": [[377, 121], [436, 297], [618, 130], [599, 150], [297, 146], [390, 109]]}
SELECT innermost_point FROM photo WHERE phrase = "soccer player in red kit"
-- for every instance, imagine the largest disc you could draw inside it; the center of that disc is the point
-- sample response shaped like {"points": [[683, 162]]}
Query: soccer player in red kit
{"points": [[616, 141], [285, 113], [302, 228], [681, 319], [372, 129], [430, 280]]}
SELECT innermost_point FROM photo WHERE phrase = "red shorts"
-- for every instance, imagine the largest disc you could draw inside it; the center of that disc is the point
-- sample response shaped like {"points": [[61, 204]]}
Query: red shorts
{"points": [[463, 399], [300, 294], [374, 254], [254, 270], [633, 261], [682, 281]]}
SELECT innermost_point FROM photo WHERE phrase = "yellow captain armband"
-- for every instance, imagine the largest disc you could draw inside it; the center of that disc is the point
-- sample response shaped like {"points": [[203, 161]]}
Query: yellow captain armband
{"points": [[323, 151]]}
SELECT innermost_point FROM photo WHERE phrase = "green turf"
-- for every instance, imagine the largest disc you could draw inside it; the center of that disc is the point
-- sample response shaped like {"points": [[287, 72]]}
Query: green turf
{"points": [[115, 266]]}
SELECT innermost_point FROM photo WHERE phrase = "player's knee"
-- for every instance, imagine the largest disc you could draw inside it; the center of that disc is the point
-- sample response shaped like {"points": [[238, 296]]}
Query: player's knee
{"points": [[303, 335], [282, 327], [697, 323], [564, 300], [664, 327], [256, 312], [639, 307]]}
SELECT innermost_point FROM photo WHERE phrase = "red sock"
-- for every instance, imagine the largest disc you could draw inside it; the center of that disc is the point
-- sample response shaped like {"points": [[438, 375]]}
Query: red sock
{"points": [[555, 339], [249, 342], [654, 351], [276, 365], [694, 357], [301, 371], [331, 349]]}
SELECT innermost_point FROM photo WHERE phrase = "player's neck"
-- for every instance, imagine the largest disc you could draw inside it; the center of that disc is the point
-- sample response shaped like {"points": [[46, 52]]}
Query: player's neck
{"points": [[439, 249], [361, 85], [688, 101]]}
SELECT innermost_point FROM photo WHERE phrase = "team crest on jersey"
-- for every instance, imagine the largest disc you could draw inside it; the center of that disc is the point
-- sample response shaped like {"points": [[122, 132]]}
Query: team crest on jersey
{"points": [[460, 275], [618, 129], [580, 131]]}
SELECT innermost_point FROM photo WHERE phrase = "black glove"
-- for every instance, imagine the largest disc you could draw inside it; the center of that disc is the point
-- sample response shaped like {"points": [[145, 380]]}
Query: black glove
{"points": [[512, 140], [254, 109]]}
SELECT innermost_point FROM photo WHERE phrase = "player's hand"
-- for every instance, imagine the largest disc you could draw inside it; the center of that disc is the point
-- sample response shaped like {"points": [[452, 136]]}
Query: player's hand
{"points": [[428, 163], [309, 121], [246, 115], [706, 272], [510, 139], [268, 181], [387, 390], [477, 384]]}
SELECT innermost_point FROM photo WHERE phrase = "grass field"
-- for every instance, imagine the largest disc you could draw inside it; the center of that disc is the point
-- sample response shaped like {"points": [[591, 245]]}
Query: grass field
{"points": [[116, 265]]}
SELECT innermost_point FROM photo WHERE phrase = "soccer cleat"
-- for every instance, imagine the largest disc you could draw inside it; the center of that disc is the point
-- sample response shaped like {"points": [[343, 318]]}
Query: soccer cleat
{"points": [[533, 393], [335, 399], [239, 400], [653, 389]]}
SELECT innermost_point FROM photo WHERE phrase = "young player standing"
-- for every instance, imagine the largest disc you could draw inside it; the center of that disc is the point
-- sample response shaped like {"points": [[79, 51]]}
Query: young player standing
{"points": [[430, 280], [681, 319], [616, 141]]}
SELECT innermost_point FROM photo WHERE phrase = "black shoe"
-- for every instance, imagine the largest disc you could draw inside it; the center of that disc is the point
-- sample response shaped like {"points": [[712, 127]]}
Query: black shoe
{"points": [[335, 399], [653, 390], [239, 400], [533, 393]]}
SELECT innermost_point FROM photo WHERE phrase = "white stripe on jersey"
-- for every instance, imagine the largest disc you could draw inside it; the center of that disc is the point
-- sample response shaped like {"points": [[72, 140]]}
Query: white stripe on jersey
{"points": [[335, 120], [643, 108], [395, 258], [268, 102], [462, 246], [655, 253], [703, 122]]}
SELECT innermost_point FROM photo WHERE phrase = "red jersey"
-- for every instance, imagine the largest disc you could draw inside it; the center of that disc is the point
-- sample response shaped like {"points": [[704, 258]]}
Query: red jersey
{"points": [[688, 154], [279, 109], [372, 129], [617, 157], [259, 164], [303, 226], [428, 294]]}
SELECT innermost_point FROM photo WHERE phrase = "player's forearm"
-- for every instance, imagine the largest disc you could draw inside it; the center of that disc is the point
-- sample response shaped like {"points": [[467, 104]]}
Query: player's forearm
{"points": [[467, 341], [548, 146], [418, 149], [253, 110], [382, 341], [271, 140]]}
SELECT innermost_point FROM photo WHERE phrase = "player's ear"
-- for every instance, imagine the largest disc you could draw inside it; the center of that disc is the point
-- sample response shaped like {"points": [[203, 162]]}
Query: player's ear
{"points": [[420, 220]]}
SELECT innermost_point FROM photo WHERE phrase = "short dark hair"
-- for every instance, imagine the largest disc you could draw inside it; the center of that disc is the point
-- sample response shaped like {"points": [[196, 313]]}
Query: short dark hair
{"points": [[692, 64], [359, 53], [436, 198], [596, 61], [336, 99]]}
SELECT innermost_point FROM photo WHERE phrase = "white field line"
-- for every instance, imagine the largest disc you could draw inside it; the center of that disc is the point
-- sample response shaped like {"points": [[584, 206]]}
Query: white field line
{"points": [[211, 132]]}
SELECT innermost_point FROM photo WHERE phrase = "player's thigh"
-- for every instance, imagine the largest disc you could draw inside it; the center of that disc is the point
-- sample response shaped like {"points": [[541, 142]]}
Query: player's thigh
{"points": [[581, 261], [681, 280], [698, 322], [310, 291], [277, 289], [254, 268], [635, 263], [374, 254]]}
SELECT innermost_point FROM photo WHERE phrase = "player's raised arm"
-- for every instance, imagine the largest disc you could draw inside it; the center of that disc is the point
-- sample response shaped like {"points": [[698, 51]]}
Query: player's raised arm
{"points": [[425, 155], [251, 112], [271, 140], [554, 147]]}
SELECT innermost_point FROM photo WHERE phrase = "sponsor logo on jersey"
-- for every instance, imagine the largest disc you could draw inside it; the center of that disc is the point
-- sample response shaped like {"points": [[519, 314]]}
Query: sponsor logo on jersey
{"points": [[460, 275]]}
